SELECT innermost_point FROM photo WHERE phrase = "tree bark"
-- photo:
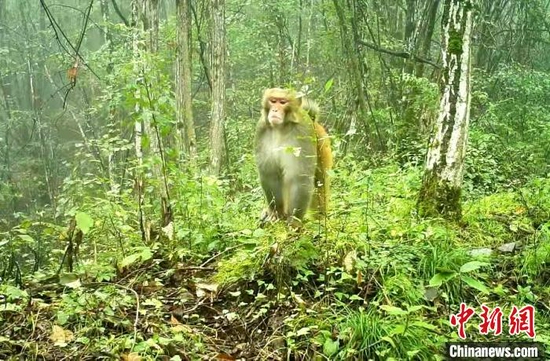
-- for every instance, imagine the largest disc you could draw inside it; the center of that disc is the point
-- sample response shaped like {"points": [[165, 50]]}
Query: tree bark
{"points": [[186, 137], [409, 37], [218, 86], [138, 126], [428, 31], [442, 182]]}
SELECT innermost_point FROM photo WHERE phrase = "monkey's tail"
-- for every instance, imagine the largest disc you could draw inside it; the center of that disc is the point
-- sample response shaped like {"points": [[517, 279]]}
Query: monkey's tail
{"points": [[312, 108]]}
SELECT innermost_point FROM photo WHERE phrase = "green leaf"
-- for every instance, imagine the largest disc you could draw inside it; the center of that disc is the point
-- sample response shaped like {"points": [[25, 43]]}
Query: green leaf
{"points": [[412, 353], [412, 309], [388, 340], [331, 347], [131, 259], [303, 331], [13, 293], [392, 310], [26, 238], [475, 284], [146, 254], [84, 222], [398, 330], [425, 325], [258, 233], [439, 278], [472, 266], [329, 84], [69, 280]]}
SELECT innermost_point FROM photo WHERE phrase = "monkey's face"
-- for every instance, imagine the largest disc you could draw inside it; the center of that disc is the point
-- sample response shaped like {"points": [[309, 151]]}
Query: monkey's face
{"points": [[277, 110]]}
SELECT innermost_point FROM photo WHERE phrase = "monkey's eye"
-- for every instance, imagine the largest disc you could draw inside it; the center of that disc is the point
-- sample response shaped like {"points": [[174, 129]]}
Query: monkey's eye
{"points": [[283, 102]]}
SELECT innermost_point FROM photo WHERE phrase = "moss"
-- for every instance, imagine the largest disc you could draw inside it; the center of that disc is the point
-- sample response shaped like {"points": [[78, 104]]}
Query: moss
{"points": [[455, 42], [468, 5], [439, 198]]}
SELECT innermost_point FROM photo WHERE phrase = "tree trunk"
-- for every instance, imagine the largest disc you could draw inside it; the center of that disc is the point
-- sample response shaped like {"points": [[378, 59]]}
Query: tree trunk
{"points": [[218, 86], [442, 181], [138, 126], [354, 68], [153, 16], [184, 111], [409, 37], [150, 19], [281, 45], [428, 31]]}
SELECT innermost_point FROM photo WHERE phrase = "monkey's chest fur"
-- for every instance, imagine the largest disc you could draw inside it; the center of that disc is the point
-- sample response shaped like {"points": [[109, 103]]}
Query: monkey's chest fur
{"points": [[289, 151]]}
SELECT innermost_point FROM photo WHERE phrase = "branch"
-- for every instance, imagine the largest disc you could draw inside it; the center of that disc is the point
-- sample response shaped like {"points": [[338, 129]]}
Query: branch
{"points": [[401, 54], [119, 13]]}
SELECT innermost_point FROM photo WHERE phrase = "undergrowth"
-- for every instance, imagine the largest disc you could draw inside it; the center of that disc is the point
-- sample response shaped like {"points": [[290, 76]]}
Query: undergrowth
{"points": [[373, 281]]}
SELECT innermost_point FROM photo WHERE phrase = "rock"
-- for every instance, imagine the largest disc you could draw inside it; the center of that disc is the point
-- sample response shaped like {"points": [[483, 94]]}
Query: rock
{"points": [[480, 252], [507, 247]]}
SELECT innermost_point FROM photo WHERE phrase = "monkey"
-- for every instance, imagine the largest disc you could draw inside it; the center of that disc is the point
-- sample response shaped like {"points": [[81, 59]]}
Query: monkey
{"points": [[72, 73], [324, 160], [293, 154]]}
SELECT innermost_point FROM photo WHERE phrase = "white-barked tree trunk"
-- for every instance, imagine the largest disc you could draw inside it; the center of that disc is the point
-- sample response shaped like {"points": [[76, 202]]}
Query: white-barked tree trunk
{"points": [[442, 181]]}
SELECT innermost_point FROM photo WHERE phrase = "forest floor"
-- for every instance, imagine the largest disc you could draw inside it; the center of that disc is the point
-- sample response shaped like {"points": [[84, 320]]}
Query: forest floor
{"points": [[376, 284]]}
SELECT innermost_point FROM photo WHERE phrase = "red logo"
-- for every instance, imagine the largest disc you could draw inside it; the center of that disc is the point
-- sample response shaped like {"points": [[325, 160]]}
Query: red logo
{"points": [[491, 321], [519, 320], [522, 320], [461, 318]]}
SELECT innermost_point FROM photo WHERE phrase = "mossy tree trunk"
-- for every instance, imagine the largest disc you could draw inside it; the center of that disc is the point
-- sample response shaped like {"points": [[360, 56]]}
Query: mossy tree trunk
{"points": [[442, 181]]}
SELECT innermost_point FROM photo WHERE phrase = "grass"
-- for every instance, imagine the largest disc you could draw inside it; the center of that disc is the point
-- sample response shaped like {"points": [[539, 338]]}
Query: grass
{"points": [[373, 282]]}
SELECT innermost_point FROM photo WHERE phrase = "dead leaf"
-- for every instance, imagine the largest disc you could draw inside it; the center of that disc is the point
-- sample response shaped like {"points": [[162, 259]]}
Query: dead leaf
{"points": [[174, 321], [169, 231], [133, 356], [60, 336], [181, 329], [224, 356], [204, 288], [349, 261]]}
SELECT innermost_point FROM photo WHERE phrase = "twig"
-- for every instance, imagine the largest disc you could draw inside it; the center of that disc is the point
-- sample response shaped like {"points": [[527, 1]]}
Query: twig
{"points": [[217, 255], [401, 54]]}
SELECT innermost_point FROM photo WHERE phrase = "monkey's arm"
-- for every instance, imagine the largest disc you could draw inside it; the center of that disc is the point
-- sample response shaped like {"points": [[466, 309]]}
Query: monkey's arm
{"points": [[272, 187], [300, 192]]}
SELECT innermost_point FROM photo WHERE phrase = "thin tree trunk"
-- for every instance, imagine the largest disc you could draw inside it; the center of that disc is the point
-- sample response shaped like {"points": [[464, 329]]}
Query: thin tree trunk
{"points": [[442, 181], [409, 37], [354, 70], [138, 126], [218, 86], [308, 34], [153, 15], [428, 31], [186, 137], [281, 44], [151, 26], [108, 38]]}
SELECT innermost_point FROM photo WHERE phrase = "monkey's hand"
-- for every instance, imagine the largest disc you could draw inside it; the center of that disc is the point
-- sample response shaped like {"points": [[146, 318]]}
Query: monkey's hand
{"points": [[267, 215], [294, 224]]}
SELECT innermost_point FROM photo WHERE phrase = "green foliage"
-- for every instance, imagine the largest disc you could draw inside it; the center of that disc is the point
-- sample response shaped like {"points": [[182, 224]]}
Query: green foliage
{"points": [[361, 285], [372, 280], [508, 140], [412, 130], [390, 333]]}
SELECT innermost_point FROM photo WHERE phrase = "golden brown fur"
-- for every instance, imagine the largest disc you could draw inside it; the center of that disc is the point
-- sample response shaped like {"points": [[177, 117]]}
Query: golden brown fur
{"points": [[294, 180]]}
